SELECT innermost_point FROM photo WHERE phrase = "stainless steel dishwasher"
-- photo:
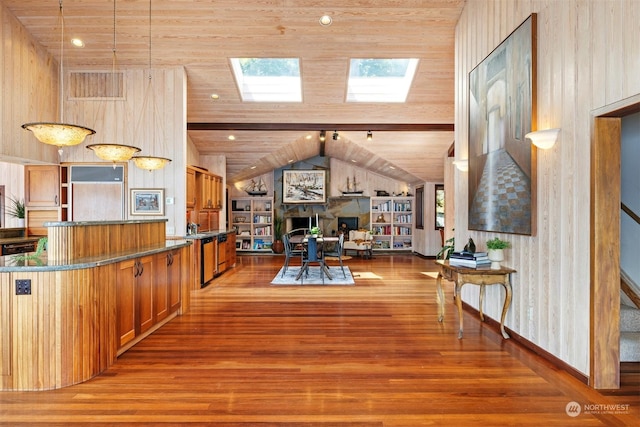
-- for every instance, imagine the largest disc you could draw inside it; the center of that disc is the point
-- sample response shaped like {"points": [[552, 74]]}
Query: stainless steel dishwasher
{"points": [[208, 261]]}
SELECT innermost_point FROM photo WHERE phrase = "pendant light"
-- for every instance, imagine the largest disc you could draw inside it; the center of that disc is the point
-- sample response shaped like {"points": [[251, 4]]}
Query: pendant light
{"points": [[151, 163], [59, 134], [114, 152]]}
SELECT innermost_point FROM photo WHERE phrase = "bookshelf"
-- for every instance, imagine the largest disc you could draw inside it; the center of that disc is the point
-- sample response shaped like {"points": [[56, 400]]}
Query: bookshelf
{"points": [[253, 218], [392, 222]]}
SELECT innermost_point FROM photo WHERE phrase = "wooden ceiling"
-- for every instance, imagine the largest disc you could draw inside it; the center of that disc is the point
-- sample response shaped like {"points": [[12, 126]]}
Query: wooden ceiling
{"points": [[409, 139]]}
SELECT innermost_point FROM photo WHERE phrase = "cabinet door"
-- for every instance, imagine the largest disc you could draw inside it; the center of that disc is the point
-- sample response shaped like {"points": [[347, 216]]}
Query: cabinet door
{"points": [[204, 191], [191, 188], [42, 186], [161, 297], [174, 276], [126, 304], [231, 250], [145, 294]]}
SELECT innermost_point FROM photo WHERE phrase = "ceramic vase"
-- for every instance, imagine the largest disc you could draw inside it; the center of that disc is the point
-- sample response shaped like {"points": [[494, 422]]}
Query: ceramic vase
{"points": [[496, 256]]}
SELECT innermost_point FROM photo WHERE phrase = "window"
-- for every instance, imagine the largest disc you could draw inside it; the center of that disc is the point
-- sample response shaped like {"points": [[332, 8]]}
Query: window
{"points": [[420, 208], [380, 80], [439, 207], [268, 79]]}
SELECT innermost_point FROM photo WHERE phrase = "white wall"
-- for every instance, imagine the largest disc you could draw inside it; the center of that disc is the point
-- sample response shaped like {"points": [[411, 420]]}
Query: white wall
{"points": [[630, 168], [588, 58]]}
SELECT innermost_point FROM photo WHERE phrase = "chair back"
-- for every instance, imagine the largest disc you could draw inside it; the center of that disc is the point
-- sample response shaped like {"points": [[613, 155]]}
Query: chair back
{"points": [[287, 245]]}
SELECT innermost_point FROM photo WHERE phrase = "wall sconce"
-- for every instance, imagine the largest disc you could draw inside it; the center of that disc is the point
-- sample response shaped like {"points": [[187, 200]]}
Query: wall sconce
{"points": [[369, 135], [543, 138], [462, 165], [336, 136], [323, 136]]}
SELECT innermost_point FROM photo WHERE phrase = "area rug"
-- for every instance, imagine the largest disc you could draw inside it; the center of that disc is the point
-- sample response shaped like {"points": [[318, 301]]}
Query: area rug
{"points": [[314, 277]]}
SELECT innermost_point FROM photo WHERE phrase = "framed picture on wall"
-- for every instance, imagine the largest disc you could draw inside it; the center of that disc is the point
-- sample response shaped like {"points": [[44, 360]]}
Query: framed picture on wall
{"points": [[304, 186], [502, 106], [147, 201]]}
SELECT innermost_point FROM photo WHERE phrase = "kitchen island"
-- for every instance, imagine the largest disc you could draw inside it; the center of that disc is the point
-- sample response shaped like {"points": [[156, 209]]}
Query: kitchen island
{"points": [[101, 287]]}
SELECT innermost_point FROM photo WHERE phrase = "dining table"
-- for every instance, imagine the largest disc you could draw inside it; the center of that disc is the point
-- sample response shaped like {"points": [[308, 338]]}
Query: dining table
{"points": [[313, 244]]}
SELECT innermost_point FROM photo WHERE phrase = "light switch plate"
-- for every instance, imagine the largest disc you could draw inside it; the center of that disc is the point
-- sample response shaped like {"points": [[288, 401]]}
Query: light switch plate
{"points": [[169, 201]]}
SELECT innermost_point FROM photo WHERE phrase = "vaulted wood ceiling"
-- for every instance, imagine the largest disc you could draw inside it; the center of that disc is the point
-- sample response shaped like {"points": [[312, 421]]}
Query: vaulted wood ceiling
{"points": [[409, 139]]}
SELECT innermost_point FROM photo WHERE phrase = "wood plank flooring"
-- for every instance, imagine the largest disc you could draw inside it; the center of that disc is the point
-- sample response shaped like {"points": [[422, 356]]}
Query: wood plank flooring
{"points": [[373, 354]]}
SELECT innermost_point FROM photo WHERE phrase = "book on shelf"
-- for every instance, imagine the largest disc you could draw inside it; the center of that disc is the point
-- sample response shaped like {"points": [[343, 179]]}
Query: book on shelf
{"points": [[472, 263]]}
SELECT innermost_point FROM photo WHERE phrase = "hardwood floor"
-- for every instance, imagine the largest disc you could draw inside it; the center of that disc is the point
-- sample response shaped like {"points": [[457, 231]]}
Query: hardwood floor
{"points": [[372, 354]]}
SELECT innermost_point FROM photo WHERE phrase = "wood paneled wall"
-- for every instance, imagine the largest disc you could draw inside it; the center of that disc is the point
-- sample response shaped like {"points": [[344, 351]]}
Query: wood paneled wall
{"points": [[29, 78], [132, 121], [588, 57]]}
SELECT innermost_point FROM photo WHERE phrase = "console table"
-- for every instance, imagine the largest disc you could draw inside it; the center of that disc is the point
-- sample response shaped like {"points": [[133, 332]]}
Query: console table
{"points": [[475, 276]]}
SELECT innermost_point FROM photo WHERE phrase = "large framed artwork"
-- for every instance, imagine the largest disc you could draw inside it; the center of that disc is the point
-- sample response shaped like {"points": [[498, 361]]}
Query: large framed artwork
{"points": [[303, 186], [502, 106], [147, 201]]}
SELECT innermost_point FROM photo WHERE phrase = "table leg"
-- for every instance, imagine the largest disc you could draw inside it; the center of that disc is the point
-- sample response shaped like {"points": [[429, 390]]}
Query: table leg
{"points": [[458, 287], [302, 269], [481, 302], [440, 297], [505, 306]]}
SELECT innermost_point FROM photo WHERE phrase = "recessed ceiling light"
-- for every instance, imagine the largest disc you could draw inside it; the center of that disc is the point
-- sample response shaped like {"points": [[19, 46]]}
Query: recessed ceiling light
{"points": [[253, 167], [325, 20], [290, 161], [77, 42], [215, 96], [354, 161], [231, 137], [391, 167]]}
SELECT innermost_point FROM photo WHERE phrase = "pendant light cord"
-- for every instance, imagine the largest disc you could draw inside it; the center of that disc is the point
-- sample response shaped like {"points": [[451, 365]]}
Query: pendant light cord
{"points": [[61, 77]]}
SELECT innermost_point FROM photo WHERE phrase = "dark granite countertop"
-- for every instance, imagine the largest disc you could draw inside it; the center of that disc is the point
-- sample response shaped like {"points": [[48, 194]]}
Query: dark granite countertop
{"points": [[29, 262], [204, 235]]}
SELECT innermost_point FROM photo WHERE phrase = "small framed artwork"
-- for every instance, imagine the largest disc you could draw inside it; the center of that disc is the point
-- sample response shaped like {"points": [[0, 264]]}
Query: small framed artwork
{"points": [[303, 186], [147, 201]]}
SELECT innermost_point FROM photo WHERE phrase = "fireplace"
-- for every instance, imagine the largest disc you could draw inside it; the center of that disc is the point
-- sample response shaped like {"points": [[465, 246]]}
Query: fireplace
{"points": [[350, 221], [295, 222]]}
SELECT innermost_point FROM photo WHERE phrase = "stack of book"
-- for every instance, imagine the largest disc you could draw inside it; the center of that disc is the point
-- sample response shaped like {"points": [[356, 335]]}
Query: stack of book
{"points": [[469, 259]]}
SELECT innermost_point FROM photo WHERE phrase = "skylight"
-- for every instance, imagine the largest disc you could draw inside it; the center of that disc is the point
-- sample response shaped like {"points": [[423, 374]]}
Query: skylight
{"points": [[380, 80], [268, 79]]}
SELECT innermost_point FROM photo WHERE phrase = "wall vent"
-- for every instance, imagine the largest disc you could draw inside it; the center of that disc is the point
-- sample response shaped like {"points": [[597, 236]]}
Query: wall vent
{"points": [[96, 85]]}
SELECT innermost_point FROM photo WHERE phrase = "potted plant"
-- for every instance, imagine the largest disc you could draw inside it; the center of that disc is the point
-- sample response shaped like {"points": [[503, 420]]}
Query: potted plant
{"points": [[16, 209], [315, 231], [447, 249], [495, 251], [278, 245]]}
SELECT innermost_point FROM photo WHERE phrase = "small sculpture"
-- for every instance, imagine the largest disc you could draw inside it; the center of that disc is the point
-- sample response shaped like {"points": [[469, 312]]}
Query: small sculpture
{"points": [[470, 247]]}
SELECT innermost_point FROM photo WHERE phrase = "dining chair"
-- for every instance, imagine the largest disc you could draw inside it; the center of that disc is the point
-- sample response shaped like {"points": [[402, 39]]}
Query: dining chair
{"points": [[337, 252], [289, 252]]}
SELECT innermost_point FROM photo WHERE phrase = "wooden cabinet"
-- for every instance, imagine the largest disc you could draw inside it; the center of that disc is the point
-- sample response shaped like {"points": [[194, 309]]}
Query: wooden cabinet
{"points": [[191, 188], [42, 197], [135, 298], [174, 276], [392, 223], [42, 186], [231, 250], [168, 277]]}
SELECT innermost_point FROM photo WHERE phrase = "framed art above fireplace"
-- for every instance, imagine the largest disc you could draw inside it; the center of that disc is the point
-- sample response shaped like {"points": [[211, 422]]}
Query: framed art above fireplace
{"points": [[304, 186]]}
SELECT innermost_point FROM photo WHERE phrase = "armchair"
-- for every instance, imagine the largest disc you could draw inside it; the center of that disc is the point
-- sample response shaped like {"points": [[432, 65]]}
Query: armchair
{"points": [[359, 241]]}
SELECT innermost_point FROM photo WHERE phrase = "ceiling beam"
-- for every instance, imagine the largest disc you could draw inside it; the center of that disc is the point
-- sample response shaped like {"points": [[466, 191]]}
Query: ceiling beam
{"points": [[391, 127]]}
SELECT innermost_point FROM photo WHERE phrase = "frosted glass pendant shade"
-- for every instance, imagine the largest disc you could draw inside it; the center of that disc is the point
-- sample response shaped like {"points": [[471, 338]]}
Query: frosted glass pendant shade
{"points": [[59, 134], [114, 152], [150, 162]]}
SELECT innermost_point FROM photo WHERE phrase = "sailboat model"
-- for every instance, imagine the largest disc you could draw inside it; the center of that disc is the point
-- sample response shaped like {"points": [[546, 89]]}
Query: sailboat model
{"points": [[352, 189], [256, 188]]}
